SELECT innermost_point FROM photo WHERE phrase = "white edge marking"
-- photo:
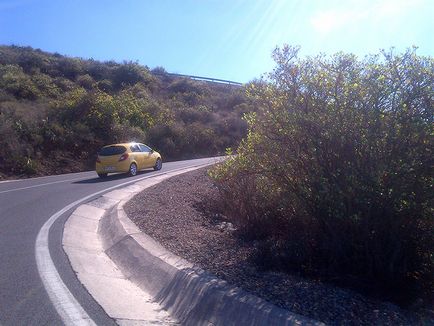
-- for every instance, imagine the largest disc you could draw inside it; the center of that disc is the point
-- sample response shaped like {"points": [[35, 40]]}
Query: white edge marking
{"points": [[68, 308], [41, 185], [45, 177]]}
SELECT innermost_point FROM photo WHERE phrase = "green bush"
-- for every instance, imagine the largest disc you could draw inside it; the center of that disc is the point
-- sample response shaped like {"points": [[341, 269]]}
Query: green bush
{"points": [[15, 81], [46, 85], [70, 68], [335, 175], [16, 143], [168, 139], [130, 73], [86, 81], [105, 85]]}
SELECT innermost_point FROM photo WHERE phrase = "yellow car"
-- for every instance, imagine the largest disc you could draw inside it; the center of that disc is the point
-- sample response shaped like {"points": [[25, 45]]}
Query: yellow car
{"points": [[126, 157]]}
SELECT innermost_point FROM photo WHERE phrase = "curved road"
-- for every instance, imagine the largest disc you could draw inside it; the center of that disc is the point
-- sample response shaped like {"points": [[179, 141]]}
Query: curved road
{"points": [[25, 205]]}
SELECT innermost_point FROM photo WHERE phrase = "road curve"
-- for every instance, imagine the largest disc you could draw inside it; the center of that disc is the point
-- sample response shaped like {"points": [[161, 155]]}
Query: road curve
{"points": [[25, 206]]}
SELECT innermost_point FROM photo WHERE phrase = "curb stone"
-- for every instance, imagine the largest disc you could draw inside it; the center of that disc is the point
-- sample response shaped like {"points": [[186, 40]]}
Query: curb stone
{"points": [[167, 282]]}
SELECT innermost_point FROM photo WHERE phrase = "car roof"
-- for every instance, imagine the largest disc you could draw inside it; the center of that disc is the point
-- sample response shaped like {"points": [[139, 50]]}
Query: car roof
{"points": [[124, 144]]}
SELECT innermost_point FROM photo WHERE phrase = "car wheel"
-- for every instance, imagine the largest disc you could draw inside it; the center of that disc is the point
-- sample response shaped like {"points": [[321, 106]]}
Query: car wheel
{"points": [[133, 169], [102, 175], [158, 165]]}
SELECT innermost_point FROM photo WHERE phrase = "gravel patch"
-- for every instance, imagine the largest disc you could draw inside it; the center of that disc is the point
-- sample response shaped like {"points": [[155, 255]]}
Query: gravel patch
{"points": [[171, 213]]}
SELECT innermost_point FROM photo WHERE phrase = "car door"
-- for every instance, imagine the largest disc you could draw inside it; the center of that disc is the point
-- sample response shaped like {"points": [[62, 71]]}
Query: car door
{"points": [[147, 156], [138, 156]]}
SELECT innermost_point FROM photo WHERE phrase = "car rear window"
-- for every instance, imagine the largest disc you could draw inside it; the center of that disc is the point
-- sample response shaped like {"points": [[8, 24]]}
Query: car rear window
{"points": [[112, 150]]}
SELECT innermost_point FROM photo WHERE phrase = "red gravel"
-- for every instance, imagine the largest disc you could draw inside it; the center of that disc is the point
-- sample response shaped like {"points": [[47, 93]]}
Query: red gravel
{"points": [[172, 213]]}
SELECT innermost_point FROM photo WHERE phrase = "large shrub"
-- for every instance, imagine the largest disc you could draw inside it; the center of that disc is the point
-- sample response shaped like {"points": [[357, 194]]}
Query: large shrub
{"points": [[336, 173]]}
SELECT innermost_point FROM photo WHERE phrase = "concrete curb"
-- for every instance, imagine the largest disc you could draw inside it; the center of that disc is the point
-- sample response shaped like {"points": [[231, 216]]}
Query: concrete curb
{"points": [[190, 294]]}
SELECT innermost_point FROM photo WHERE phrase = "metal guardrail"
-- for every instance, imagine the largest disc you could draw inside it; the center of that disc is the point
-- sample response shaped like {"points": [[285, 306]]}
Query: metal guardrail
{"points": [[208, 79]]}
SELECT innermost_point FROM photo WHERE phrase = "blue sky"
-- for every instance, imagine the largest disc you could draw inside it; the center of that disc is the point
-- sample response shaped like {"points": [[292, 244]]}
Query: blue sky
{"points": [[228, 39]]}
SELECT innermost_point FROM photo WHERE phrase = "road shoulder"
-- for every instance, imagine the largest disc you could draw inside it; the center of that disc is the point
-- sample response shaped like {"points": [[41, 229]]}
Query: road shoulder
{"points": [[143, 281]]}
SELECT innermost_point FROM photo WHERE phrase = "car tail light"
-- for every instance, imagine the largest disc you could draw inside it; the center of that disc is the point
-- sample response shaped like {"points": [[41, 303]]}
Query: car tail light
{"points": [[123, 157], [98, 160]]}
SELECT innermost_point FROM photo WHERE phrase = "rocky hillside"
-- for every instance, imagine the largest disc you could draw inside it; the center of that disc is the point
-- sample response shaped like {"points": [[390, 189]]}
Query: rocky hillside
{"points": [[56, 111]]}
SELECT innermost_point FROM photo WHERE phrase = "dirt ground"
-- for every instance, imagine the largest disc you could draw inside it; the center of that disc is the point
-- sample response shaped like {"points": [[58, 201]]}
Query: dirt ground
{"points": [[175, 213]]}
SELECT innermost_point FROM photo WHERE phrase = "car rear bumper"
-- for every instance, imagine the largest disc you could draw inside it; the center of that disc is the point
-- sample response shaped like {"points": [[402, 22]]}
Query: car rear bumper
{"points": [[112, 168]]}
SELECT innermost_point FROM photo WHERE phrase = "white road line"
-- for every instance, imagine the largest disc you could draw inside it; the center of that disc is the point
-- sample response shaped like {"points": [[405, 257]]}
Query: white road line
{"points": [[40, 185], [68, 308], [66, 305], [44, 177]]}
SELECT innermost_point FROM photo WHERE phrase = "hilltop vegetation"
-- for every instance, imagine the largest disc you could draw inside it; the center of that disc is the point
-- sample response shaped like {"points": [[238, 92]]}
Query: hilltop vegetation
{"points": [[56, 111], [335, 178]]}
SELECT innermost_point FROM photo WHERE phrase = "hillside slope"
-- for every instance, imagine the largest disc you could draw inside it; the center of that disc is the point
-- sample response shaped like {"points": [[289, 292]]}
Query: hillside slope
{"points": [[56, 111]]}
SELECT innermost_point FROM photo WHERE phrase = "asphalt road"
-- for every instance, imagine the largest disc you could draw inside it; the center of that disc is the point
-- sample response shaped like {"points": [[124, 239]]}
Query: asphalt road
{"points": [[25, 205]]}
